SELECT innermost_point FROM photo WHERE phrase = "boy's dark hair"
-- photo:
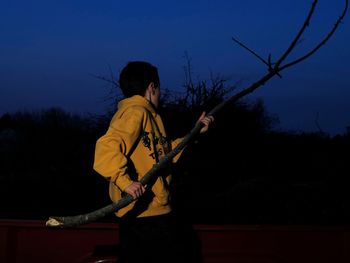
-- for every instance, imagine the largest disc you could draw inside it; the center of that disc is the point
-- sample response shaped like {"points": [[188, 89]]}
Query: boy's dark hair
{"points": [[136, 76]]}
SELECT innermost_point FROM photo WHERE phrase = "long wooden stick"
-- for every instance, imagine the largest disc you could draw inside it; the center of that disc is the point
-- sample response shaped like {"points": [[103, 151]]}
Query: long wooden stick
{"points": [[73, 221]]}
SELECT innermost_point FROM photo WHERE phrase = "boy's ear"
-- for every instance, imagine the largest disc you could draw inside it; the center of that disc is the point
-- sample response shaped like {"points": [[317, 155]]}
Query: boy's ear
{"points": [[152, 88], [149, 87]]}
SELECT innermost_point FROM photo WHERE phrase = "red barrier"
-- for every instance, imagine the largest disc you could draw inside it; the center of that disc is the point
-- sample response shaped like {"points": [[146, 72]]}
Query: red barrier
{"points": [[32, 241]]}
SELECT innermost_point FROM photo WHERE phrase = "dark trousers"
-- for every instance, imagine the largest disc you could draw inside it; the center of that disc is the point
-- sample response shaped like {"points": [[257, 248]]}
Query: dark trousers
{"points": [[154, 239]]}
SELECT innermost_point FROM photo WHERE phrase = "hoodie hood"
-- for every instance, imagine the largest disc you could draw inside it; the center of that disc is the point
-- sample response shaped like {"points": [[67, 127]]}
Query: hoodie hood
{"points": [[136, 100]]}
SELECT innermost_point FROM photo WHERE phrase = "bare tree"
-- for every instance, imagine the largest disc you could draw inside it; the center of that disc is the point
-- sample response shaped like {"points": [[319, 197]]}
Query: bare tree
{"points": [[198, 94], [113, 85], [273, 69]]}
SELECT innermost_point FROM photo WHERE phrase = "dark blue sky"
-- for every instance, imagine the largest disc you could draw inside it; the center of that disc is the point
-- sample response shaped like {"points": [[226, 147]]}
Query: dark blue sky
{"points": [[49, 49]]}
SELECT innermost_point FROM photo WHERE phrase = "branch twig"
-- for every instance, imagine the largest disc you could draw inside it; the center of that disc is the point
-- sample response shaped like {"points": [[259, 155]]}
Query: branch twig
{"points": [[297, 37], [323, 42]]}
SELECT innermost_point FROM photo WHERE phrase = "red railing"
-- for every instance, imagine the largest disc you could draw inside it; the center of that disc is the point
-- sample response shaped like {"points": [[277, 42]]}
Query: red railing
{"points": [[32, 241]]}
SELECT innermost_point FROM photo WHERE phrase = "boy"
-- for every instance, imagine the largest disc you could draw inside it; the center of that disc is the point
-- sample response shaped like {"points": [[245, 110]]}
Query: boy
{"points": [[134, 142]]}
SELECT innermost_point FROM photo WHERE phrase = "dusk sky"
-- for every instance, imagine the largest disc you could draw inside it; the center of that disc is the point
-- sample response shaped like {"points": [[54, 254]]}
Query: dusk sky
{"points": [[50, 50]]}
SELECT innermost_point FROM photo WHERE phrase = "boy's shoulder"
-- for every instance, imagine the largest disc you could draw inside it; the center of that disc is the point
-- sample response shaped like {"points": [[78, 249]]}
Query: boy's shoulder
{"points": [[132, 111]]}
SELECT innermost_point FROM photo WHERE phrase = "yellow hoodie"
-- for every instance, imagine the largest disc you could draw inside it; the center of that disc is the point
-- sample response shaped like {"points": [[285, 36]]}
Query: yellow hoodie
{"points": [[134, 142]]}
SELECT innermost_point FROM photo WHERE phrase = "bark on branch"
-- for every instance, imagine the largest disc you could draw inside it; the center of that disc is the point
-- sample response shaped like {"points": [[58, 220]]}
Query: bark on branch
{"points": [[274, 69]]}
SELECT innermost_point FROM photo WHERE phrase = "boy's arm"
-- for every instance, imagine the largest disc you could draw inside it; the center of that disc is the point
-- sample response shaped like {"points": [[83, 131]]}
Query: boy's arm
{"points": [[205, 120], [112, 148]]}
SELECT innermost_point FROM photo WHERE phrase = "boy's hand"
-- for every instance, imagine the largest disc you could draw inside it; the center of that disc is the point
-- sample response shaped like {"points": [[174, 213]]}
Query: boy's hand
{"points": [[136, 189], [206, 120]]}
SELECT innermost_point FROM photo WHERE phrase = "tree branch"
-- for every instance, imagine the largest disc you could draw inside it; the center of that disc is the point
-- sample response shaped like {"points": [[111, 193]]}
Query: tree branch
{"points": [[251, 51], [323, 42], [297, 37], [72, 221]]}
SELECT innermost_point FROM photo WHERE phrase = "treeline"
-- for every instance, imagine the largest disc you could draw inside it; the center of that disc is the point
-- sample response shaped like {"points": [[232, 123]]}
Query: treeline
{"points": [[242, 171], [46, 164]]}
